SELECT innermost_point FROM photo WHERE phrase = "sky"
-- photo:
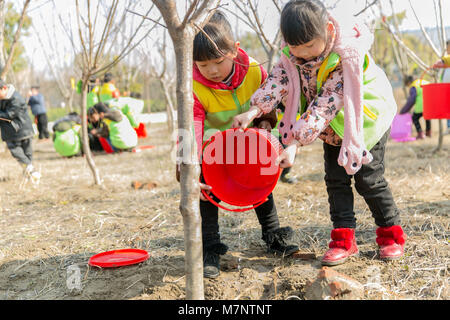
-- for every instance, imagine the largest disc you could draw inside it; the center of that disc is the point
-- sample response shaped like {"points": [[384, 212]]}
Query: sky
{"points": [[44, 17]]}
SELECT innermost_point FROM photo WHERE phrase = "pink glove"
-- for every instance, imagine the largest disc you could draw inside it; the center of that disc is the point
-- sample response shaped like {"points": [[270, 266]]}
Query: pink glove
{"points": [[353, 152]]}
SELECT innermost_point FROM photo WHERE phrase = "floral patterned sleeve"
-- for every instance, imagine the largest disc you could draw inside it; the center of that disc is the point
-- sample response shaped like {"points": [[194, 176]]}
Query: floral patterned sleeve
{"points": [[322, 110], [272, 91]]}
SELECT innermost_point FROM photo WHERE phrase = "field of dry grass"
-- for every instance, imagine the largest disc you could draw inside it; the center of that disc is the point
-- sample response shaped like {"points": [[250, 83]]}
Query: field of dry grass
{"points": [[48, 233]]}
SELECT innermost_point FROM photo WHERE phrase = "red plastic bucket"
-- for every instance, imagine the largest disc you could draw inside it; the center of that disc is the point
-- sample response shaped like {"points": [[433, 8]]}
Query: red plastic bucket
{"points": [[240, 167], [436, 101]]}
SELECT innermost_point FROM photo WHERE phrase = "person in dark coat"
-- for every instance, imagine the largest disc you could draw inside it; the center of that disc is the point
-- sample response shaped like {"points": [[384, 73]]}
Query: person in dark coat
{"points": [[37, 105], [16, 128]]}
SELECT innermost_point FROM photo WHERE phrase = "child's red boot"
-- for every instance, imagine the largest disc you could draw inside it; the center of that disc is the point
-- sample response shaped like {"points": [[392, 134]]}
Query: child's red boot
{"points": [[391, 241], [342, 246]]}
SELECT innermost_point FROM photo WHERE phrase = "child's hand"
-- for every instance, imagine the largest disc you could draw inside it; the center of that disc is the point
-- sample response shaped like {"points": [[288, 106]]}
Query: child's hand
{"points": [[265, 125], [287, 158], [243, 120], [439, 64], [207, 190]]}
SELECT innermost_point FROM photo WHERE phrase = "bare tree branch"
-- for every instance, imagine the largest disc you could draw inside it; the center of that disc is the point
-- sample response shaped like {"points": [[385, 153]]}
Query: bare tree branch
{"points": [[148, 18], [9, 59], [408, 51], [106, 32], [424, 32], [128, 47], [443, 35], [189, 12], [251, 18], [367, 7]]}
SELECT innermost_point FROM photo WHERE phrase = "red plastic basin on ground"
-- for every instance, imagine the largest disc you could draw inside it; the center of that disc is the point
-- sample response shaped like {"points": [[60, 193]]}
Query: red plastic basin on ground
{"points": [[118, 258], [240, 166]]}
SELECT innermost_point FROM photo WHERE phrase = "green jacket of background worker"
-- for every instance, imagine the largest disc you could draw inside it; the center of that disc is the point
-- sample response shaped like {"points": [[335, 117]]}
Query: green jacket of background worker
{"points": [[130, 107], [66, 135]]}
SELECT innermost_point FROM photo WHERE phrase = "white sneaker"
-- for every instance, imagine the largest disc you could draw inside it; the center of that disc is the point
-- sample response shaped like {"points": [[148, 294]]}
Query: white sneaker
{"points": [[28, 170], [31, 174], [35, 177]]}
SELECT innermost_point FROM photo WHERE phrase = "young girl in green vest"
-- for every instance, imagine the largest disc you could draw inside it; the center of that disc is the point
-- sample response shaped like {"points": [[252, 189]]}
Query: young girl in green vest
{"points": [[345, 100], [415, 100], [224, 81]]}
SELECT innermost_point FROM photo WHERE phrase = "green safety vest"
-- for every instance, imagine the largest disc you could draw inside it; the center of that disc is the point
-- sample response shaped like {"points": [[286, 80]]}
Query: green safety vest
{"points": [[92, 99], [418, 105], [129, 107], [68, 143], [379, 105], [122, 134]]}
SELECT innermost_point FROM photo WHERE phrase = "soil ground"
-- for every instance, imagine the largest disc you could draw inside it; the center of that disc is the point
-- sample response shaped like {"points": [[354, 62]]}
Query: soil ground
{"points": [[49, 232]]}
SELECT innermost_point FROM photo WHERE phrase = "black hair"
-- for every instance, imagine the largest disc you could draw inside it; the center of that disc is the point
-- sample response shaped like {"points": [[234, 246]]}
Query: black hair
{"points": [[99, 107], [35, 87], [303, 21], [219, 30], [408, 80], [136, 95], [73, 114], [108, 77]]}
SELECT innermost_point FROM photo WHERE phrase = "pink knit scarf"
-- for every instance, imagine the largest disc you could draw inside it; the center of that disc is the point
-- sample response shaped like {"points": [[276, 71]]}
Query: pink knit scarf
{"points": [[352, 42]]}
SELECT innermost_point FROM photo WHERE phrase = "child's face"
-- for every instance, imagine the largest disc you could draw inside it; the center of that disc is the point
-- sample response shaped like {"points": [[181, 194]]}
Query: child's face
{"points": [[314, 48], [217, 70], [3, 92], [93, 118], [310, 50]]}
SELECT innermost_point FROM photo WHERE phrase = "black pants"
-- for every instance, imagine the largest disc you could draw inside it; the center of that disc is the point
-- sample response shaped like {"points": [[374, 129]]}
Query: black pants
{"points": [[284, 171], [370, 184], [416, 117], [21, 150], [94, 143], [42, 125], [266, 213]]}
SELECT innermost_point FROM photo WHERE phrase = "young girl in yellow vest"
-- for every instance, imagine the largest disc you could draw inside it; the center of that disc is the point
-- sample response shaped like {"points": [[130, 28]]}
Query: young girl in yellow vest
{"points": [[415, 99], [224, 82], [325, 65]]}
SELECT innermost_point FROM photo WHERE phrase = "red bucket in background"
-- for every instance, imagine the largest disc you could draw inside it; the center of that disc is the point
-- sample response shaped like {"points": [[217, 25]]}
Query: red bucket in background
{"points": [[240, 166], [436, 101]]}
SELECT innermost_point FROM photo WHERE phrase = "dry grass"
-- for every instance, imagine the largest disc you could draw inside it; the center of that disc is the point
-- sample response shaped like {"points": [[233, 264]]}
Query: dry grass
{"points": [[47, 231]]}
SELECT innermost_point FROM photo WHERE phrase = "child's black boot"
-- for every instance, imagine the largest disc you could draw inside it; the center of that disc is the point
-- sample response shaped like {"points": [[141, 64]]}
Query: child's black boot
{"points": [[211, 259], [277, 241]]}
